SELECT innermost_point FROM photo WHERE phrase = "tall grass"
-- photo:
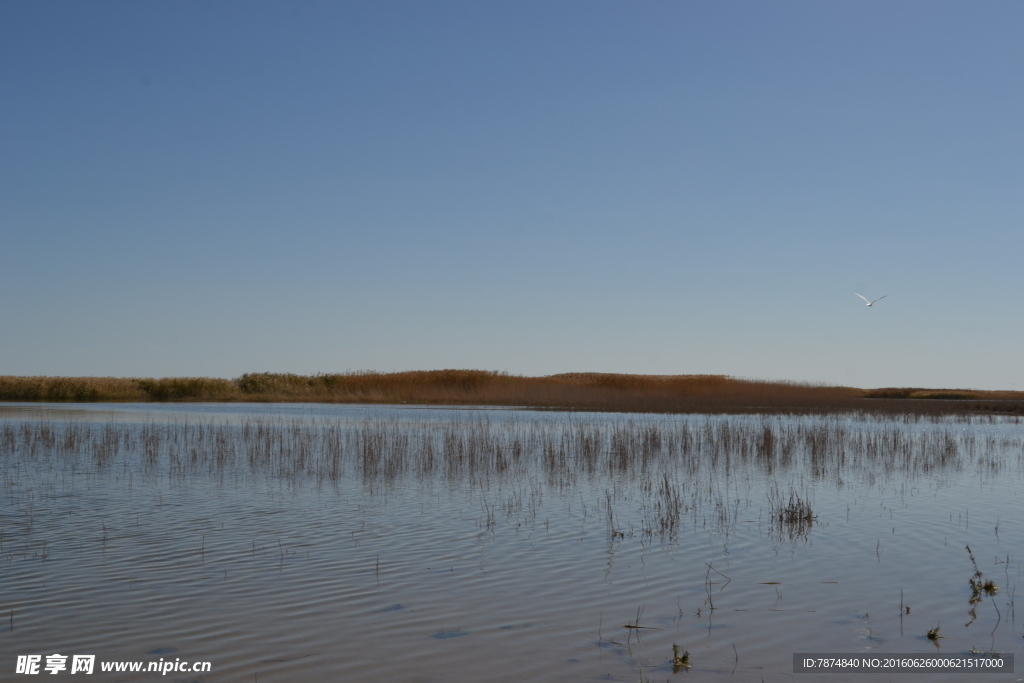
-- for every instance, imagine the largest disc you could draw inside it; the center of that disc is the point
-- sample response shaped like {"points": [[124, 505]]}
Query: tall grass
{"points": [[580, 391], [79, 389]]}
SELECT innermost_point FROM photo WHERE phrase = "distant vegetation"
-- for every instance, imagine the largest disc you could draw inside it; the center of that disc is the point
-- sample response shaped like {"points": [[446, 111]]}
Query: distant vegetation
{"points": [[581, 391]]}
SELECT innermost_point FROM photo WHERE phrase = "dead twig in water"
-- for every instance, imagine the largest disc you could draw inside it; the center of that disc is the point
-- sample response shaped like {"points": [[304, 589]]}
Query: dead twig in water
{"points": [[727, 579], [635, 626]]}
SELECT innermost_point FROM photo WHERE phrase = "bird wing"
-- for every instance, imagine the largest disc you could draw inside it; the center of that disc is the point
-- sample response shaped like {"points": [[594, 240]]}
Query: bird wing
{"points": [[880, 298], [864, 297]]}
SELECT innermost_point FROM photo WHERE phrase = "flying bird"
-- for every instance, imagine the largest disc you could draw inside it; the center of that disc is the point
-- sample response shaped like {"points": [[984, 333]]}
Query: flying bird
{"points": [[871, 302]]}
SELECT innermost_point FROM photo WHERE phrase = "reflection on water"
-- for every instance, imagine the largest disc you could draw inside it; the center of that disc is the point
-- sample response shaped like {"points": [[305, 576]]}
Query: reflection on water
{"points": [[345, 542]]}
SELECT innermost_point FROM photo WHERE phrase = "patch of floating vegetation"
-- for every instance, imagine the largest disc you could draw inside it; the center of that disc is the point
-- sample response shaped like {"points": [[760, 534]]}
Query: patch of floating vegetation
{"points": [[680, 659]]}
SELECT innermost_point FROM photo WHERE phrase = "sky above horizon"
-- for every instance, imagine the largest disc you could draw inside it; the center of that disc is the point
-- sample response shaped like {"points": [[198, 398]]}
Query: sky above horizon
{"points": [[214, 188]]}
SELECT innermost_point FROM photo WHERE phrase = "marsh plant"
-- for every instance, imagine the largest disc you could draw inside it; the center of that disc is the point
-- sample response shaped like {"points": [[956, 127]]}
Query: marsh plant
{"points": [[980, 589], [680, 659], [579, 390], [793, 517]]}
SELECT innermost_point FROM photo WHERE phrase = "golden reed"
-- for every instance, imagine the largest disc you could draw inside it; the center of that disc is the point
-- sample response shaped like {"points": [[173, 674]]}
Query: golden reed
{"points": [[578, 391]]}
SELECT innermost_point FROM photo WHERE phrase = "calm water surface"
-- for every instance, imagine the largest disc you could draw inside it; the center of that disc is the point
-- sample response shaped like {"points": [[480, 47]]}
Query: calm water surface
{"points": [[310, 542]]}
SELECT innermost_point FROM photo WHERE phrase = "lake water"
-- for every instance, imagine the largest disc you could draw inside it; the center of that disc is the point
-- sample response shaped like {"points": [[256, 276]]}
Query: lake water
{"points": [[319, 543]]}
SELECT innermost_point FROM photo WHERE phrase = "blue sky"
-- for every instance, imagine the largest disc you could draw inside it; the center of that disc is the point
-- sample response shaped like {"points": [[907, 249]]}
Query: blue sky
{"points": [[216, 188]]}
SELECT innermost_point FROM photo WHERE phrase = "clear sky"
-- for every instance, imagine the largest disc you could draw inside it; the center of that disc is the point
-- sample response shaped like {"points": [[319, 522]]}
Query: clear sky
{"points": [[212, 188]]}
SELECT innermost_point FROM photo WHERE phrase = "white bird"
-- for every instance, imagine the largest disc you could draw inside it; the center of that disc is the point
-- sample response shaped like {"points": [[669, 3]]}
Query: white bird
{"points": [[871, 302]]}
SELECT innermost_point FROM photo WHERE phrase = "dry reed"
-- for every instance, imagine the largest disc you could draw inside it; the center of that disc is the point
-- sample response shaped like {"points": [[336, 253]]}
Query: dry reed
{"points": [[576, 391]]}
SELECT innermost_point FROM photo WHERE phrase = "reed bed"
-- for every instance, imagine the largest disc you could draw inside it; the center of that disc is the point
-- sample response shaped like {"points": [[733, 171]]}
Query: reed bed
{"points": [[579, 391], [389, 448], [675, 469]]}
